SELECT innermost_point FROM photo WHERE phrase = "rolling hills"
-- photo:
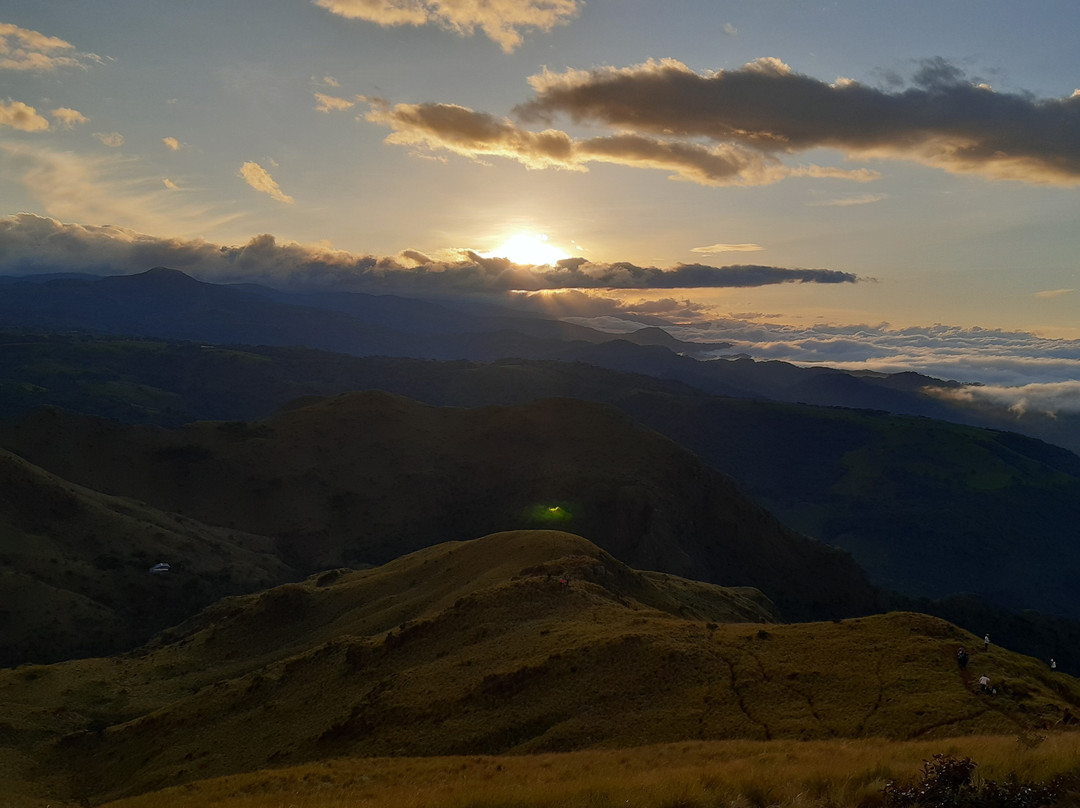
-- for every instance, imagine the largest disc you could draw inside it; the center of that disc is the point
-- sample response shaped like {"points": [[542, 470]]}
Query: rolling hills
{"points": [[928, 508], [525, 641], [360, 478]]}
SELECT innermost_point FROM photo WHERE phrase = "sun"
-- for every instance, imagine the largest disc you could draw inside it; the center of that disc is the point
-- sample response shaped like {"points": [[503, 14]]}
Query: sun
{"points": [[528, 248]]}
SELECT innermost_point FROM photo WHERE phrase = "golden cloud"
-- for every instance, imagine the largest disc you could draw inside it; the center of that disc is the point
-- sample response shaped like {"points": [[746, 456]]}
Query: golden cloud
{"points": [[23, 49], [66, 117], [23, 117], [330, 103], [501, 20], [712, 249], [478, 134], [259, 178]]}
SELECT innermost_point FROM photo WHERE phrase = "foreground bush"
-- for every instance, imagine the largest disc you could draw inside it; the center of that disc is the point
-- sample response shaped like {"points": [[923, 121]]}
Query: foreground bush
{"points": [[949, 782]]}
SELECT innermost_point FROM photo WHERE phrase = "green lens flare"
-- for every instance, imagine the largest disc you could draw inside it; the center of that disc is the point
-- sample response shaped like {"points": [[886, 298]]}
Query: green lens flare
{"points": [[549, 513]]}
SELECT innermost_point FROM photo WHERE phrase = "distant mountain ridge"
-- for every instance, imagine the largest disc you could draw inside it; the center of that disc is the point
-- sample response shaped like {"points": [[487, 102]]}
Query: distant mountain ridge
{"points": [[168, 304]]}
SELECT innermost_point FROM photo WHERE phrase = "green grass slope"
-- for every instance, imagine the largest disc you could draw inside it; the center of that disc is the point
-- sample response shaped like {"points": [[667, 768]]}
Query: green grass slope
{"points": [[74, 567], [529, 641], [362, 478]]}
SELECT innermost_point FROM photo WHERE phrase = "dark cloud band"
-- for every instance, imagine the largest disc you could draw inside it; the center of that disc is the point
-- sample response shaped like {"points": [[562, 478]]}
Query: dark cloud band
{"points": [[942, 119], [31, 244]]}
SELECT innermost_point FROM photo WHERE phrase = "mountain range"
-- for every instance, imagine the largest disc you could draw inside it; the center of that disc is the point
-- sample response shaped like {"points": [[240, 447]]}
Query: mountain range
{"points": [[168, 304], [238, 532]]}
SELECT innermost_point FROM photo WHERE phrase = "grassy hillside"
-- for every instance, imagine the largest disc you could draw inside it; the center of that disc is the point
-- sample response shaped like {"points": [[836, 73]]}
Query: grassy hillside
{"points": [[517, 642], [74, 567], [361, 478]]}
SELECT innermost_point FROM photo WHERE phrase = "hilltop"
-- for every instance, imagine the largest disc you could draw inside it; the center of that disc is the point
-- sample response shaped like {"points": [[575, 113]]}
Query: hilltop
{"points": [[526, 641]]}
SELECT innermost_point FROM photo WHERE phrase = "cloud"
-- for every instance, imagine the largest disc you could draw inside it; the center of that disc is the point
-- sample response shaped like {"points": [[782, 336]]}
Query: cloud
{"points": [[1051, 294], [259, 178], [1054, 398], [20, 116], [848, 201], [113, 140], [101, 188], [940, 119], [1000, 359], [264, 258], [475, 134], [991, 356], [606, 313], [171, 143], [576, 273], [23, 49], [712, 249], [501, 20], [330, 103], [730, 30], [66, 118], [172, 186]]}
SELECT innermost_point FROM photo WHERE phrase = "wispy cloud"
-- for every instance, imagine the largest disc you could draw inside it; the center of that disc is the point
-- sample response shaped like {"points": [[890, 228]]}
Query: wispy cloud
{"points": [[330, 103], [259, 178], [848, 201], [23, 117], [67, 118], [114, 140], [712, 249], [501, 20], [941, 119], [171, 143], [101, 188], [1051, 294], [24, 49], [475, 134]]}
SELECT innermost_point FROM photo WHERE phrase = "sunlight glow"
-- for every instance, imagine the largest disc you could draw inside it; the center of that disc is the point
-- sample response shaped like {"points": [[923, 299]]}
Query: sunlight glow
{"points": [[528, 248]]}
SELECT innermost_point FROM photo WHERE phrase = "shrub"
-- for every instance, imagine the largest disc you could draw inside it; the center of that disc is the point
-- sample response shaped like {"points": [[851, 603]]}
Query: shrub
{"points": [[948, 782]]}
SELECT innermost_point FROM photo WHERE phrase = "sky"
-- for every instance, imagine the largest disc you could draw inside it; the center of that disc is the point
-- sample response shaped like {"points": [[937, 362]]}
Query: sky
{"points": [[865, 184]]}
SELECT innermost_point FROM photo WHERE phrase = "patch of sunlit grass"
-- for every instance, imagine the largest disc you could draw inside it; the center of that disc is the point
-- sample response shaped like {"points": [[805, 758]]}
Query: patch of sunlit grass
{"points": [[734, 774]]}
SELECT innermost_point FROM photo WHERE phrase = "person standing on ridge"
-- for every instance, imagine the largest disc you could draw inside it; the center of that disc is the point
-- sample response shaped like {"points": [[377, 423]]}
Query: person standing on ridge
{"points": [[986, 642]]}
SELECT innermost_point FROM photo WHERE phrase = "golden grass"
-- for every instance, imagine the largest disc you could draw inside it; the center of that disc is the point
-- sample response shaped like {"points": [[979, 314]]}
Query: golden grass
{"points": [[733, 774]]}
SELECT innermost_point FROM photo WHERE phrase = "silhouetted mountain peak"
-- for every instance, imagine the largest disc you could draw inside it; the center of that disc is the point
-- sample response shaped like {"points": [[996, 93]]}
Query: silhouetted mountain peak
{"points": [[163, 275]]}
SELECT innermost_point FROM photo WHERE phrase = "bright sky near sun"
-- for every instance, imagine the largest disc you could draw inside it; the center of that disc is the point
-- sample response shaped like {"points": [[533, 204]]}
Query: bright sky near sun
{"points": [[912, 163]]}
